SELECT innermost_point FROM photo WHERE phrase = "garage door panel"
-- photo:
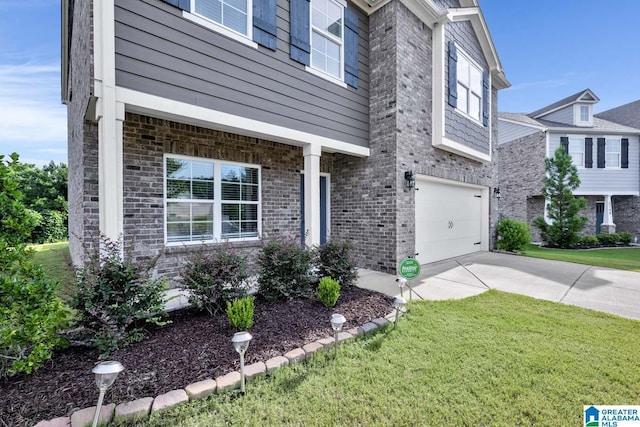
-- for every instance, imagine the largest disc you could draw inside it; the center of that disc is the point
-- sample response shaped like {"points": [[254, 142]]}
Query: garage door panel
{"points": [[448, 220]]}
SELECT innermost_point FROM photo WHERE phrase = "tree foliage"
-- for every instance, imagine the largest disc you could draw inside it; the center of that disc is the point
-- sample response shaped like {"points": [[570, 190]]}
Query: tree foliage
{"points": [[562, 208]]}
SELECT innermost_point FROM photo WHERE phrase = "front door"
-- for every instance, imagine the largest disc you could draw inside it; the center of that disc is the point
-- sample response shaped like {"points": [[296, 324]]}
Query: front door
{"points": [[324, 206], [599, 215]]}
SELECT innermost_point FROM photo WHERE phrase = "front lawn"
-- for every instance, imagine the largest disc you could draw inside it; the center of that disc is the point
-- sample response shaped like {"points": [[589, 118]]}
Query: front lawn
{"points": [[620, 258], [55, 259], [495, 359]]}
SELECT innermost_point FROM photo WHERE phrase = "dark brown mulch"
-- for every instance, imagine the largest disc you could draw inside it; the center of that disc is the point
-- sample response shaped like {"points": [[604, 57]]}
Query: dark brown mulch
{"points": [[192, 348]]}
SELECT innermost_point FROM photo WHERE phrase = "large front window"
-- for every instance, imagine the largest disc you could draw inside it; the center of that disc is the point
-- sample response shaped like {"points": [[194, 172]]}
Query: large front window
{"points": [[232, 14], [612, 148], [208, 200], [327, 37], [469, 86], [576, 151]]}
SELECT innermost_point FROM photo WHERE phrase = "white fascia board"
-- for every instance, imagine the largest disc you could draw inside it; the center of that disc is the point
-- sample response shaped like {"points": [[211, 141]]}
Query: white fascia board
{"points": [[474, 15], [577, 100], [426, 10], [64, 51], [155, 106], [594, 131], [606, 193], [529, 125], [460, 149]]}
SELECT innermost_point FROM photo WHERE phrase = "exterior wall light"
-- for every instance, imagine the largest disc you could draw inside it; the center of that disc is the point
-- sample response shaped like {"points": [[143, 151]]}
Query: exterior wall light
{"points": [[240, 342], [398, 304], [496, 193], [106, 374], [337, 321], [410, 180]]}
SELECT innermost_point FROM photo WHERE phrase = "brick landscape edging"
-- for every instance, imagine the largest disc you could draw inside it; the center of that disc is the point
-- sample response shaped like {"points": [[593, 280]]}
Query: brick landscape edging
{"points": [[144, 407]]}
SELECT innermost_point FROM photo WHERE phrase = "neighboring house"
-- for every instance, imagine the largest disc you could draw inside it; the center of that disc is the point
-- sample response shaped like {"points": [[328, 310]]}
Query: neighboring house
{"points": [[607, 156], [627, 114], [201, 121]]}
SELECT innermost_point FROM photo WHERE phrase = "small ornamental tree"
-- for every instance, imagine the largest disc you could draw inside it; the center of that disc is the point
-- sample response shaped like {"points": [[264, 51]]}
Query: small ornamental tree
{"points": [[562, 208]]}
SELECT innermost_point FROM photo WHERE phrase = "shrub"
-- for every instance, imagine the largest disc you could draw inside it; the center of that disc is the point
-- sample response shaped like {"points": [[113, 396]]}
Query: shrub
{"points": [[240, 312], [215, 277], [31, 315], [285, 271], [51, 227], [588, 242], [113, 293], [625, 238], [335, 260], [328, 291], [513, 235], [607, 239]]}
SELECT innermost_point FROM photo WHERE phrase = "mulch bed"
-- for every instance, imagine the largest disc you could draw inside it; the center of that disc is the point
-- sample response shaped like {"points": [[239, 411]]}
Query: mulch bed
{"points": [[193, 347]]}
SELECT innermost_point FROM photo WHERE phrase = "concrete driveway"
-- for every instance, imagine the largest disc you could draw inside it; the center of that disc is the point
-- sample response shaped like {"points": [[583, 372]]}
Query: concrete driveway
{"points": [[603, 289]]}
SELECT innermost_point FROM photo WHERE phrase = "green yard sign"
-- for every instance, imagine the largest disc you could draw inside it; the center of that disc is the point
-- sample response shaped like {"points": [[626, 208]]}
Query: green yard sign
{"points": [[409, 268]]}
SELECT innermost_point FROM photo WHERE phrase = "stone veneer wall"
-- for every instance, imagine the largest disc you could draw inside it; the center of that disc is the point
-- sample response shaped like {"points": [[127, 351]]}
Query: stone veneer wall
{"points": [[147, 139], [82, 137]]}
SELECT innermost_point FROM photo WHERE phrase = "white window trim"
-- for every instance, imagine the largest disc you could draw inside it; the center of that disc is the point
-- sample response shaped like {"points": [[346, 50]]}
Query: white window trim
{"points": [[606, 144], [217, 202], [473, 63], [246, 39], [579, 139], [577, 115], [337, 80]]}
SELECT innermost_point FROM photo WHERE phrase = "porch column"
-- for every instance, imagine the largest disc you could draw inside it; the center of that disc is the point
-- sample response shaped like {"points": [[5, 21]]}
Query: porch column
{"points": [[110, 169], [311, 200], [607, 220]]}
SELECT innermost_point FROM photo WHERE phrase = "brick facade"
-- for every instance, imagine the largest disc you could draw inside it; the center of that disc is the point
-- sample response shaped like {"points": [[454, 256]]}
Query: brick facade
{"points": [[626, 214]]}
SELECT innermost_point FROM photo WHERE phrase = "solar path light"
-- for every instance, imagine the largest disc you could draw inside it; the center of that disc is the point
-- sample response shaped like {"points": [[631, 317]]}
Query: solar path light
{"points": [[337, 321], [398, 304], [240, 342], [106, 374]]}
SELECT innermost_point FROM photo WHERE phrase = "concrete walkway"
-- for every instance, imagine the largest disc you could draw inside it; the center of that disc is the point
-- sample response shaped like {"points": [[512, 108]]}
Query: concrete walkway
{"points": [[598, 288]]}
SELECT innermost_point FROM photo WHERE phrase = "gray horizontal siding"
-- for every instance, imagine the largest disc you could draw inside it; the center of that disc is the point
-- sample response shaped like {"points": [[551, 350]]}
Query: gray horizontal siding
{"points": [[602, 180], [161, 53], [564, 115], [508, 131]]}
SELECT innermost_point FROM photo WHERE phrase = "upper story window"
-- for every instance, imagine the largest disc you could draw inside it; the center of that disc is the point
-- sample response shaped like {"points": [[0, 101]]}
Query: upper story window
{"points": [[576, 151], [231, 14], [584, 113], [327, 39], [208, 200], [469, 82], [612, 150]]}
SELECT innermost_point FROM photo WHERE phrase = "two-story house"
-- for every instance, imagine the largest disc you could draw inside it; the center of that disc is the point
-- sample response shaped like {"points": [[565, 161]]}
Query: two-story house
{"points": [[606, 154], [199, 121]]}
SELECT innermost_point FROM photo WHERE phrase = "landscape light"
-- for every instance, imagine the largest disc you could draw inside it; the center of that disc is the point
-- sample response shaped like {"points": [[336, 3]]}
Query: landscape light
{"points": [[240, 342], [106, 374]]}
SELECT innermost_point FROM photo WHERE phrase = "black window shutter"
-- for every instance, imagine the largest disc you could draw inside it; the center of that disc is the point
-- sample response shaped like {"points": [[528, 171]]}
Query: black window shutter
{"points": [[588, 152], [265, 31], [624, 163], [601, 153], [453, 75], [564, 142], [300, 31], [351, 48], [181, 4], [485, 99]]}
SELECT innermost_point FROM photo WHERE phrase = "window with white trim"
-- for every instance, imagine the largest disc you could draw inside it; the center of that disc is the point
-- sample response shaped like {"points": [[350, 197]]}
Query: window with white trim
{"points": [[231, 14], [209, 200], [584, 113], [327, 37], [469, 76], [612, 153], [576, 151]]}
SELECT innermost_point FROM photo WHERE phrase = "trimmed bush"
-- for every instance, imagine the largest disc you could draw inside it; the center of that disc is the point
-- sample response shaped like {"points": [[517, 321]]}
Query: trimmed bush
{"points": [[31, 315], [285, 271], [625, 238], [328, 291], [240, 312], [335, 260], [113, 294], [588, 242], [607, 239], [215, 276], [513, 235]]}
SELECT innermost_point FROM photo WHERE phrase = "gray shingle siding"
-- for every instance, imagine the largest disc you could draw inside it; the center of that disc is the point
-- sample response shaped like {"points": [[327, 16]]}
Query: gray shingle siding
{"points": [[161, 53], [458, 127]]}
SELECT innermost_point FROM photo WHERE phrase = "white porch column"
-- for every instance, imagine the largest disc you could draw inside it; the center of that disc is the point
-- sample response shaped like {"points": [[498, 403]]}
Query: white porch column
{"points": [[311, 201], [110, 117], [607, 218]]}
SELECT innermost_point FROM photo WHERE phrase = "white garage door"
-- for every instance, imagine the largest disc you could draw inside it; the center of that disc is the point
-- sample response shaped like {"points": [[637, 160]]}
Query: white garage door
{"points": [[451, 219]]}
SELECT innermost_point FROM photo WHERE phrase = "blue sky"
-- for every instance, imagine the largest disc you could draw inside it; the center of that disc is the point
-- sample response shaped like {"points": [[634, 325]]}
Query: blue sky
{"points": [[549, 49]]}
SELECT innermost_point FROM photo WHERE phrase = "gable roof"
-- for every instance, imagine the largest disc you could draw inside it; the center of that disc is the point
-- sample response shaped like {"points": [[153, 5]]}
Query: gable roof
{"points": [[585, 95], [599, 125], [627, 114]]}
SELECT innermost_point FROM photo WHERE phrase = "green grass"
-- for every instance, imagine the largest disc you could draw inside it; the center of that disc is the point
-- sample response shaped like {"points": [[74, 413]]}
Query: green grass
{"points": [[55, 259], [620, 258], [495, 359]]}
